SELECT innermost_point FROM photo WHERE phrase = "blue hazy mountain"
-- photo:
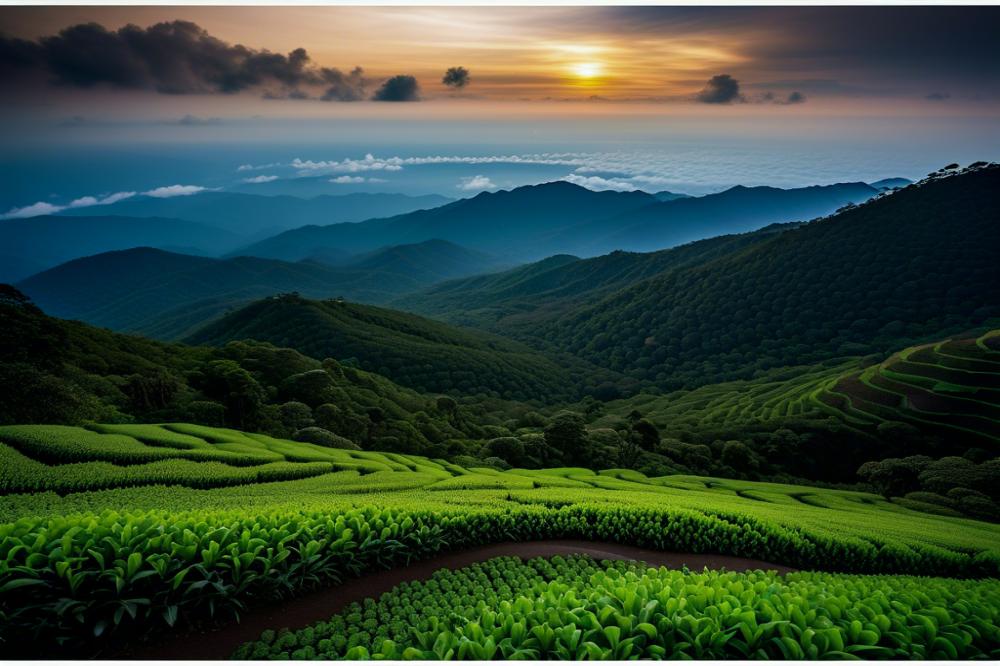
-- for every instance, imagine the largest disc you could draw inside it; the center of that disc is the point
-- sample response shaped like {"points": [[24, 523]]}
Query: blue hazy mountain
{"points": [[33, 244], [164, 294], [255, 216], [530, 223]]}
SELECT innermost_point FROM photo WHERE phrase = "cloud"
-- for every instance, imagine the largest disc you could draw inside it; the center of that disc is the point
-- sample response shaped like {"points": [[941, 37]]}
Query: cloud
{"points": [[45, 208], [369, 163], [174, 191], [477, 182], [599, 184], [344, 180], [344, 87], [720, 89], [35, 209], [794, 97], [938, 96], [256, 180], [175, 57], [400, 88], [456, 77]]}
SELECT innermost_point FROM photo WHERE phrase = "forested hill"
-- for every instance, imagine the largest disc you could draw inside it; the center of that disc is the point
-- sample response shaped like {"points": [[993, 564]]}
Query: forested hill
{"points": [[515, 301], [67, 372], [169, 295], [420, 353], [914, 265]]}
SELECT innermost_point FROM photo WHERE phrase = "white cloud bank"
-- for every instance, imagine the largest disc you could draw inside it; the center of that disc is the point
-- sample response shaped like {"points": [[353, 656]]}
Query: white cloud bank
{"points": [[256, 180], [477, 182], [599, 184], [46, 208]]}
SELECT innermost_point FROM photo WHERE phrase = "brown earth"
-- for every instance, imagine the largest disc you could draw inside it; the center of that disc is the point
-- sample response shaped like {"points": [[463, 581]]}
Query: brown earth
{"points": [[297, 613]]}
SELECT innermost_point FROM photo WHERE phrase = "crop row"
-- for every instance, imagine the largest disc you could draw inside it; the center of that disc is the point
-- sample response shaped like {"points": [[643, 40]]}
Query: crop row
{"points": [[20, 474], [575, 608], [68, 581]]}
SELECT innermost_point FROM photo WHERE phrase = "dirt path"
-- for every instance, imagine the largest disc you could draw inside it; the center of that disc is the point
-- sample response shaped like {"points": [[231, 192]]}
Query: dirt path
{"points": [[303, 611]]}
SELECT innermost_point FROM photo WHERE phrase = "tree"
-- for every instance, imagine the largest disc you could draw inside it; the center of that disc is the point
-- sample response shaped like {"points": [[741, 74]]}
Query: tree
{"points": [[510, 449], [739, 456], [568, 435], [236, 388], [894, 477], [295, 415]]}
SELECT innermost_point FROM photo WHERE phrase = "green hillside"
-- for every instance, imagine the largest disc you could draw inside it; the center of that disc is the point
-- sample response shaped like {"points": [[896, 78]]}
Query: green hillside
{"points": [[420, 353], [516, 301], [65, 372], [139, 539], [168, 295], [950, 389], [904, 268]]}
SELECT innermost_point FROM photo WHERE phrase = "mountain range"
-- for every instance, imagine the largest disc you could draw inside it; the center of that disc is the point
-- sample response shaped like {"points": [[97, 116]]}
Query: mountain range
{"points": [[166, 295], [536, 221], [254, 216]]}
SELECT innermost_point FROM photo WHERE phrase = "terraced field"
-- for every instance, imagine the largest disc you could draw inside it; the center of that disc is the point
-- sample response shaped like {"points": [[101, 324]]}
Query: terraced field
{"points": [[950, 388], [83, 568], [791, 393]]}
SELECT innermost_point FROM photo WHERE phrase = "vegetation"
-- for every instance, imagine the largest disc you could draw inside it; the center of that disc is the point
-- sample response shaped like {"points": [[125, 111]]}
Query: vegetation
{"points": [[739, 314], [82, 570], [575, 608], [423, 354], [54, 371]]}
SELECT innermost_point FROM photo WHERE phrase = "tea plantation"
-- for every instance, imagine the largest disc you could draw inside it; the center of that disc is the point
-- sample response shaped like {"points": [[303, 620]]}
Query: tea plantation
{"points": [[575, 608], [119, 532]]}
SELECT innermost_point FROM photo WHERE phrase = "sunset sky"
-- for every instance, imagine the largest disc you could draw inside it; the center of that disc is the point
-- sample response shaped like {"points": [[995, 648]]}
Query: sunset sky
{"points": [[794, 95]]}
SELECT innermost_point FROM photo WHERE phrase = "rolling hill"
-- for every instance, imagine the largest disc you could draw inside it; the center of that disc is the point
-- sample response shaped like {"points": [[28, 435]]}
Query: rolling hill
{"points": [[915, 265], [58, 371], [255, 216], [34, 244], [736, 210], [167, 295], [515, 301], [532, 222], [423, 354]]}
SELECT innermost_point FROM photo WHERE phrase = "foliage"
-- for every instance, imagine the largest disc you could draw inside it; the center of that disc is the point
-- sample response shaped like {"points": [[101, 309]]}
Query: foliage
{"points": [[85, 568], [575, 608]]}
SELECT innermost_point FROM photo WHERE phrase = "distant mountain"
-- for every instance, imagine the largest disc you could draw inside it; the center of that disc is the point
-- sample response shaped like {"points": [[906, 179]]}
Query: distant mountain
{"points": [[914, 265], [419, 353], [36, 243], [670, 196], [510, 224], [736, 210], [529, 223], [890, 183], [429, 262], [165, 294], [255, 216]]}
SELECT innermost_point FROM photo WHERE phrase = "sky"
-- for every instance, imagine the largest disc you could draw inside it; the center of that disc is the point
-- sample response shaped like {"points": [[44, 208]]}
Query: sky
{"points": [[684, 97]]}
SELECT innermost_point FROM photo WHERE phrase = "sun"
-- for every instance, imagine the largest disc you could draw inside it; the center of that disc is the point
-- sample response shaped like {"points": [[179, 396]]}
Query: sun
{"points": [[587, 70]]}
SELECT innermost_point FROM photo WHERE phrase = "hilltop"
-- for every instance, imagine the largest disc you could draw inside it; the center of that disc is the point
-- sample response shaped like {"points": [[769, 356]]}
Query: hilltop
{"points": [[421, 353]]}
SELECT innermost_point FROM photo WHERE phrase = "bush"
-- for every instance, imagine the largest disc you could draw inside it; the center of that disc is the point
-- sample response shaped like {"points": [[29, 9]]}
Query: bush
{"points": [[322, 437]]}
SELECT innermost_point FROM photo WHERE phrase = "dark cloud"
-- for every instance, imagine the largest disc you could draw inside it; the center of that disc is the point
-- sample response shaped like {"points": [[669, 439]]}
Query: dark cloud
{"points": [[938, 96], [344, 87], [400, 88], [720, 89], [177, 57], [456, 77]]}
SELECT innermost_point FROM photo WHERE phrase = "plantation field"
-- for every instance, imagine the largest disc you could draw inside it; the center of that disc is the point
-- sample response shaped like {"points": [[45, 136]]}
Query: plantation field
{"points": [[124, 531], [951, 388], [575, 608]]}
